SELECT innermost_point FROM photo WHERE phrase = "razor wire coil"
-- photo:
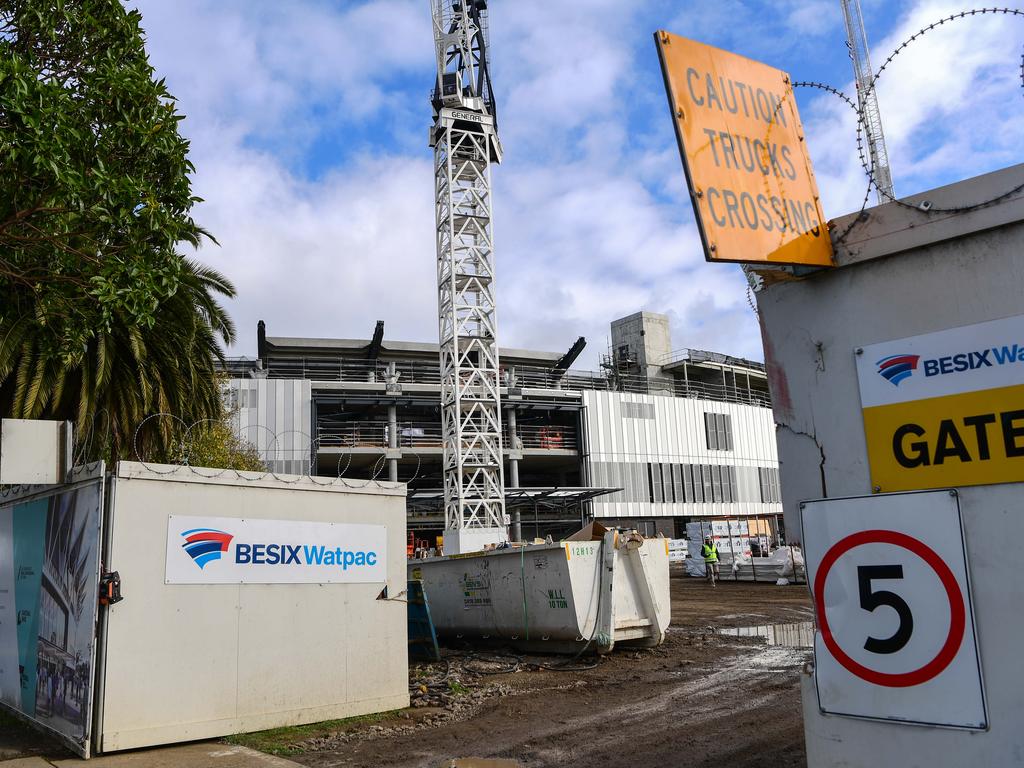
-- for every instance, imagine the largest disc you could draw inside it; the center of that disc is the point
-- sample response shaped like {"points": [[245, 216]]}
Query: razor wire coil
{"points": [[861, 123]]}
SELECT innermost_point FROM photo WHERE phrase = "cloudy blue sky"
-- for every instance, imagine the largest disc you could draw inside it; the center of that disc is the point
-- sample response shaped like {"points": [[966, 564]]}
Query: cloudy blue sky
{"points": [[308, 121]]}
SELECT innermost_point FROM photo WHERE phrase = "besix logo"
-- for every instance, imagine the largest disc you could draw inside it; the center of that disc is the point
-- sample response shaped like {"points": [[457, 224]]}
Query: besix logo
{"points": [[205, 544], [896, 368]]}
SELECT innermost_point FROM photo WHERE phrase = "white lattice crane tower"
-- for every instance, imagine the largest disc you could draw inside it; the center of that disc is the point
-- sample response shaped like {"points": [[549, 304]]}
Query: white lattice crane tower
{"points": [[465, 141], [867, 98]]}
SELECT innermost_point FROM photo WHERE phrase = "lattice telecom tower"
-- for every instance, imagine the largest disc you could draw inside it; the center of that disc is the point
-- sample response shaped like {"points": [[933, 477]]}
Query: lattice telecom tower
{"points": [[867, 98], [465, 141]]}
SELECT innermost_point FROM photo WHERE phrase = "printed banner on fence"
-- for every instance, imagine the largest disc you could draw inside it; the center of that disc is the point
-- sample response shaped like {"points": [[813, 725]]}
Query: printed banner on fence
{"points": [[49, 577], [231, 550]]}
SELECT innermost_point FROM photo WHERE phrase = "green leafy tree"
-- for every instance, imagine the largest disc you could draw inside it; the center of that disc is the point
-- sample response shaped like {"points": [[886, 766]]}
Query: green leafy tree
{"points": [[215, 444], [102, 320]]}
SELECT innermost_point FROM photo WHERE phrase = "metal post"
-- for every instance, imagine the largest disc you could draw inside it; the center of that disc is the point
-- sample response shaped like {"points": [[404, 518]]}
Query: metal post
{"points": [[732, 550], [393, 442], [753, 565], [513, 473]]}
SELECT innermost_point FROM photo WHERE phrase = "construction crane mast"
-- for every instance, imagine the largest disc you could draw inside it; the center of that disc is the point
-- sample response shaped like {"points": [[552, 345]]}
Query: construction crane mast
{"points": [[465, 141], [867, 98]]}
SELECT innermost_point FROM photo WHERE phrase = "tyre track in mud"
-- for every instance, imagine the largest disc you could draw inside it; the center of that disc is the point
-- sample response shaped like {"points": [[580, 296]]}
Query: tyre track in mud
{"points": [[700, 699]]}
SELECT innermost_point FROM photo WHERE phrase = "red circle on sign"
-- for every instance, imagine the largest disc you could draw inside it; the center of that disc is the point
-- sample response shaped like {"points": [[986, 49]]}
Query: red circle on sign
{"points": [[957, 611]]}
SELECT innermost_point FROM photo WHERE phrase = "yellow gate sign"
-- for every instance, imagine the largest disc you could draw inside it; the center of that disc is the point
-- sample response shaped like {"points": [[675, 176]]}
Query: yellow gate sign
{"points": [[744, 155], [946, 408]]}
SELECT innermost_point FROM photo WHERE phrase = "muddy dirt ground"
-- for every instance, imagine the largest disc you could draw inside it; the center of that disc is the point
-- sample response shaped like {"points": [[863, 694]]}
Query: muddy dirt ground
{"points": [[701, 699]]}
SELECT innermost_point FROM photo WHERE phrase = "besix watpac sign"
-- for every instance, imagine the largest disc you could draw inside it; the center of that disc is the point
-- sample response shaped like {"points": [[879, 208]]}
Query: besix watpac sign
{"points": [[945, 408], [230, 550]]}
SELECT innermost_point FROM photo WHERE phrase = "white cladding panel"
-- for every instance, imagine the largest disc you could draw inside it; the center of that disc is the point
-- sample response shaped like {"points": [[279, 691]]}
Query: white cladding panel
{"points": [[196, 661], [275, 416], [627, 432]]}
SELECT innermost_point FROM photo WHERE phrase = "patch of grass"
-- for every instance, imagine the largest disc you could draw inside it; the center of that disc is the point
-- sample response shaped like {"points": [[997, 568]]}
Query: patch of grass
{"points": [[286, 741], [457, 688]]}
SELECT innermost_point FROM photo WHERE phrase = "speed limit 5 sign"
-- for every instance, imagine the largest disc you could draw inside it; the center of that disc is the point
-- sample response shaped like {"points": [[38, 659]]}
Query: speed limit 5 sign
{"points": [[895, 633]]}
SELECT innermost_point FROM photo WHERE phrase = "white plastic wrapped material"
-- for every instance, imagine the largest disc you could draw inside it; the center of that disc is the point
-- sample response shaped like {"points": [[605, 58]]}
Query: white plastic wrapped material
{"points": [[783, 559], [695, 567], [738, 561]]}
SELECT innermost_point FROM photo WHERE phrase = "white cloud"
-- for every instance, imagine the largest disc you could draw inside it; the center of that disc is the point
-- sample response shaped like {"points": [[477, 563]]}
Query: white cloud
{"points": [[950, 106], [591, 217], [581, 239]]}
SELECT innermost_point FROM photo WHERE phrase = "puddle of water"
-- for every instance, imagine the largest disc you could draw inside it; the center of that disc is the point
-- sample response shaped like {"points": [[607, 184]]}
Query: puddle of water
{"points": [[797, 635]]}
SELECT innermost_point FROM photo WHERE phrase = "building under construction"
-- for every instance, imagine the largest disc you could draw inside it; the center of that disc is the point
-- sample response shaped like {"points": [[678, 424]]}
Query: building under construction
{"points": [[653, 439]]}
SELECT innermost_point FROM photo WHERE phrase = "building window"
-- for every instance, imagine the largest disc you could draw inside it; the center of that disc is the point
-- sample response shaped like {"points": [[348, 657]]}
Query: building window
{"points": [[687, 472], [718, 430], [654, 475], [731, 483], [769, 481], [705, 476]]}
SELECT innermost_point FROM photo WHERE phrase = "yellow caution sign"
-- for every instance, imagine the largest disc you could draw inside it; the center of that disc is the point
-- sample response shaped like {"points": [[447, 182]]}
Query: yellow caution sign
{"points": [[746, 161], [946, 408]]}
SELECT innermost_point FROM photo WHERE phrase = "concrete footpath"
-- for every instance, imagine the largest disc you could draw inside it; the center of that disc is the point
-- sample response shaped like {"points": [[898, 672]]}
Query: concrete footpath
{"points": [[201, 755]]}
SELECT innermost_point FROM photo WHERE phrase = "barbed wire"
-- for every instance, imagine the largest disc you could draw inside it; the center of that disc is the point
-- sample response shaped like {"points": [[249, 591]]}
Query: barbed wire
{"points": [[181, 451], [180, 455], [861, 123], [860, 147], [933, 209]]}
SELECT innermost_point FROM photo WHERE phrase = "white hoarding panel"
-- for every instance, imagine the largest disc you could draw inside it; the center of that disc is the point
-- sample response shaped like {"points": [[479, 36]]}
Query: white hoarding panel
{"points": [[226, 550], [895, 639], [31, 451], [246, 656]]}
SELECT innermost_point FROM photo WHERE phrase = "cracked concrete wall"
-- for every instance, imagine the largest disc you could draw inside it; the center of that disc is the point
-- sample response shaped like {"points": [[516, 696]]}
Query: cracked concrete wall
{"points": [[903, 273], [811, 328]]}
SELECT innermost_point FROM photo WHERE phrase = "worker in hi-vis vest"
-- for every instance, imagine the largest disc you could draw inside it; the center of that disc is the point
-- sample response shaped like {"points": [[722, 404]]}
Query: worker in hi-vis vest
{"points": [[710, 553]]}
